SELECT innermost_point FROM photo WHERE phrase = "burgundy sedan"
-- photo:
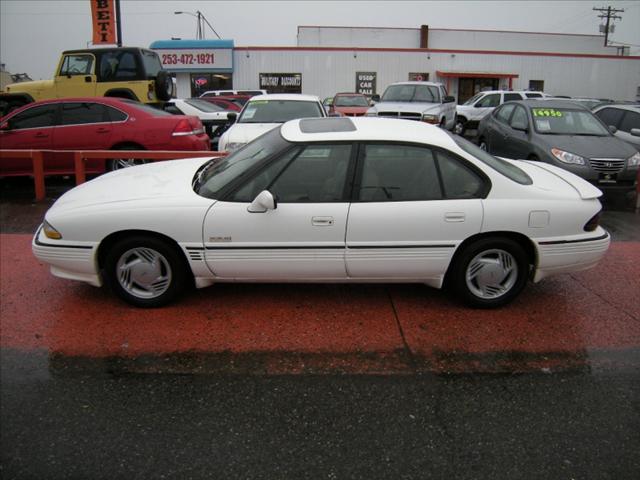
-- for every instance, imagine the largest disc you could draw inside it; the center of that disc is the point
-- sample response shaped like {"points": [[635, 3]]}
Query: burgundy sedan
{"points": [[93, 124]]}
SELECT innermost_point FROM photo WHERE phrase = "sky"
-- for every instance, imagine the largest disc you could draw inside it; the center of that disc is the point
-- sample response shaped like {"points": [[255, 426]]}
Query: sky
{"points": [[34, 32]]}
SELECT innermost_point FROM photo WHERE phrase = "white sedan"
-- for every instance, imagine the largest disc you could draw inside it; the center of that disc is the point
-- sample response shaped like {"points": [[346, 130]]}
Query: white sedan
{"points": [[266, 112], [328, 200]]}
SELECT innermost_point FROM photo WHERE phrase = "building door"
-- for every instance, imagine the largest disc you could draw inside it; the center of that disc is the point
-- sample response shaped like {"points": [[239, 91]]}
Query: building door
{"points": [[202, 82], [468, 87]]}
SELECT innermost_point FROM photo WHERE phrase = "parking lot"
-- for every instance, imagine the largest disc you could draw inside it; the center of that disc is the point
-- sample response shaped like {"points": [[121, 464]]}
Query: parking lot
{"points": [[318, 381]]}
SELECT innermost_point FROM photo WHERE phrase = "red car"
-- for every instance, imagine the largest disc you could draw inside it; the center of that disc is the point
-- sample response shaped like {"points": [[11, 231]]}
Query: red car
{"points": [[349, 104], [93, 124], [226, 104]]}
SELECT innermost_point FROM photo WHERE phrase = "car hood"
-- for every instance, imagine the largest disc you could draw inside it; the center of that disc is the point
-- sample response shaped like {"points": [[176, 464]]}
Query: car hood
{"points": [[421, 107], [35, 87], [165, 180], [590, 147], [351, 110], [245, 132]]}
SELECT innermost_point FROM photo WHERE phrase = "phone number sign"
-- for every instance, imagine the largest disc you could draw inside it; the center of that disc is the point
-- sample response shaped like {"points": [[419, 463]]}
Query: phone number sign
{"points": [[196, 59]]}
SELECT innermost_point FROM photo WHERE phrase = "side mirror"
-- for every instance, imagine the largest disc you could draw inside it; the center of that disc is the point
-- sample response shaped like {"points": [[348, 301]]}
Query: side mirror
{"points": [[375, 98], [612, 129], [449, 99], [263, 202], [232, 117], [7, 125], [635, 132]]}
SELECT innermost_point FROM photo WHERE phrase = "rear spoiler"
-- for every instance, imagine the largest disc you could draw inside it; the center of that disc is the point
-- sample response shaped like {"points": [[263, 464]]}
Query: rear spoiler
{"points": [[584, 188]]}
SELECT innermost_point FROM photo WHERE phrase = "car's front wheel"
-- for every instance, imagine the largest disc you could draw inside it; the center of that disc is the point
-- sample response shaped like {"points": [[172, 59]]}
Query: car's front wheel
{"points": [[145, 271], [490, 272], [120, 163]]}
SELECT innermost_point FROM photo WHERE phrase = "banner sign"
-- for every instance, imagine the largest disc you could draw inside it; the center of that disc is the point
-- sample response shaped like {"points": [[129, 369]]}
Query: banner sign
{"points": [[366, 83], [281, 82], [210, 59], [104, 21]]}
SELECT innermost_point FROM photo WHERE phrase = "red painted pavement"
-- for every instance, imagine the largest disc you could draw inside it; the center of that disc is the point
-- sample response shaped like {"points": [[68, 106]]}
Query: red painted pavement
{"points": [[335, 327]]}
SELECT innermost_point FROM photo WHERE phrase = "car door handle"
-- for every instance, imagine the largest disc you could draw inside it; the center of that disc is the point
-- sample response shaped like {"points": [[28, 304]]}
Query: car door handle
{"points": [[103, 130], [322, 221], [41, 135], [454, 217]]}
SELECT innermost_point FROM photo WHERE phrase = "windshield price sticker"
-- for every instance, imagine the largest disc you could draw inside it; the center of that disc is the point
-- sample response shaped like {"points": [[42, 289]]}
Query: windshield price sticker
{"points": [[546, 112]]}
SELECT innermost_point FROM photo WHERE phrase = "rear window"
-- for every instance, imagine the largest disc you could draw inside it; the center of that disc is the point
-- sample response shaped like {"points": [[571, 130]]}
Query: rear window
{"points": [[507, 169], [146, 108]]}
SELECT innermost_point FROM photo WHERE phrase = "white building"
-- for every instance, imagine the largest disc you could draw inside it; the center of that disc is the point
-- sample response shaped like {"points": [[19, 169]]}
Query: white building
{"points": [[340, 59]]}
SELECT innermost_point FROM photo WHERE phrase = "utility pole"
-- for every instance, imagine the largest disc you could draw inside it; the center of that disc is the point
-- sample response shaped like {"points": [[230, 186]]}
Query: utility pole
{"points": [[609, 15]]}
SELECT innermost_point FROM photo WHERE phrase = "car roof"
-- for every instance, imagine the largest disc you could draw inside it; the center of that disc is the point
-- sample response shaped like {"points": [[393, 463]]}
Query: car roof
{"points": [[621, 106], [365, 129], [535, 103], [287, 96], [105, 100]]}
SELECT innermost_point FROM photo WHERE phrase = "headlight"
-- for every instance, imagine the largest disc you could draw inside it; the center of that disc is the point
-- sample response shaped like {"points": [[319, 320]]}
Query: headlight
{"points": [[50, 232], [234, 146], [567, 157], [430, 118], [634, 161]]}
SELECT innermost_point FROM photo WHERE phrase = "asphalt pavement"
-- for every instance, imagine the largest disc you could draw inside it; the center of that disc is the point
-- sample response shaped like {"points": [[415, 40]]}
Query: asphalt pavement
{"points": [[295, 381]]}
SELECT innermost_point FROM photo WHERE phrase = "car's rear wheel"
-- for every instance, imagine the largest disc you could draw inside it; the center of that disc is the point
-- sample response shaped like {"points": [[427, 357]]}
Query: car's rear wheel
{"points": [[490, 272], [145, 271], [482, 143], [460, 126], [120, 163]]}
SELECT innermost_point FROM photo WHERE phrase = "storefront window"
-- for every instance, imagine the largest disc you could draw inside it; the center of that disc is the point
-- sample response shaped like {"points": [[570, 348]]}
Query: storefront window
{"points": [[202, 82], [281, 82]]}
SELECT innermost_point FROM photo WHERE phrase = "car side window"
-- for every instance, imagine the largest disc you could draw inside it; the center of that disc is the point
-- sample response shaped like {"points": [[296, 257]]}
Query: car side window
{"points": [[512, 96], [41, 116], [82, 113], [503, 114], [610, 116], [492, 100], [318, 174], [630, 120], [396, 173], [115, 115], [76, 65], [519, 119], [458, 180], [118, 65]]}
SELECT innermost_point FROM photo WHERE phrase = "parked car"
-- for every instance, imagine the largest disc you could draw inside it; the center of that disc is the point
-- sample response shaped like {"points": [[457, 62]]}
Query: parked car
{"points": [[94, 124], [265, 112], [328, 200], [561, 133], [326, 103], [222, 103], [349, 104], [423, 101], [469, 114], [213, 117], [124, 72], [215, 93], [238, 99], [625, 119]]}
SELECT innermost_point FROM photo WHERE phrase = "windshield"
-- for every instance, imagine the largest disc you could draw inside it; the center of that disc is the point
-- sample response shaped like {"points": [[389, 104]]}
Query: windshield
{"points": [[215, 175], [507, 169], [473, 99], [203, 105], [564, 121], [351, 101], [411, 93], [278, 111]]}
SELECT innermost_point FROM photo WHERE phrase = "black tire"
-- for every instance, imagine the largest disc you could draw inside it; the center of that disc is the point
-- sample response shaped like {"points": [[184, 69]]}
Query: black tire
{"points": [[533, 157], [163, 86], [145, 271], [120, 163], [443, 123], [489, 273]]}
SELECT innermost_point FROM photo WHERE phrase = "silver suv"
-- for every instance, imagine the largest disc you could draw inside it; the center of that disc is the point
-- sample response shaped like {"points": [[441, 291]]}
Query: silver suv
{"points": [[469, 114]]}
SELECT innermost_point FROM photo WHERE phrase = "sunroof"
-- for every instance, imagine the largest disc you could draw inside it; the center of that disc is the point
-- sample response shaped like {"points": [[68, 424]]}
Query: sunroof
{"points": [[326, 125]]}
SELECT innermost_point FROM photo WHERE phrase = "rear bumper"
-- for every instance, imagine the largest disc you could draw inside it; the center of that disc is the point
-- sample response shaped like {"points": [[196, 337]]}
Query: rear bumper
{"points": [[565, 256]]}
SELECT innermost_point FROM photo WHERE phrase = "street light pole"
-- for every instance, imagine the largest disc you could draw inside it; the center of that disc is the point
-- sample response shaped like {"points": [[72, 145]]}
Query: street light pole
{"points": [[201, 20]]}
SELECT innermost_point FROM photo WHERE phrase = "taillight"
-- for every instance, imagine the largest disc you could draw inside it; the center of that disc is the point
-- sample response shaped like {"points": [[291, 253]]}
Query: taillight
{"points": [[593, 223], [188, 126]]}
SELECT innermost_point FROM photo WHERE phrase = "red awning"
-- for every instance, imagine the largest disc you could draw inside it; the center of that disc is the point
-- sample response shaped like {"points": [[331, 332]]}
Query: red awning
{"points": [[476, 74]]}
